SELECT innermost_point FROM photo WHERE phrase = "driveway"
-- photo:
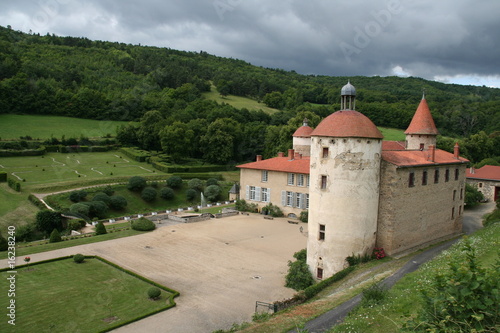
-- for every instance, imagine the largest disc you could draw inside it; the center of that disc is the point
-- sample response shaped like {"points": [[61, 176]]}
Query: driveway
{"points": [[220, 267]]}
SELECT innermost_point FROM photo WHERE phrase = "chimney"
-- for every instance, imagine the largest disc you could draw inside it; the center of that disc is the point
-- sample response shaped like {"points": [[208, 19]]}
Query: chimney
{"points": [[281, 154], [472, 170], [432, 153], [456, 151], [296, 155], [259, 158], [290, 154]]}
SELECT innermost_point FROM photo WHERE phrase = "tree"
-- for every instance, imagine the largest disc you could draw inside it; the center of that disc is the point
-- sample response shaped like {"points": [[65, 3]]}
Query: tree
{"points": [[212, 181], [154, 293], [212, 192], [101, 196], [299, 277], [97, 209], [46, 221], [143, 224], [149, 194], [100, 229], [195, 184], [472, 196], [167, 193], [55, 236], [174, 182], [191, 194], [149, 130], [177, 140], [118, 202], [80, 209], [136, 183]]}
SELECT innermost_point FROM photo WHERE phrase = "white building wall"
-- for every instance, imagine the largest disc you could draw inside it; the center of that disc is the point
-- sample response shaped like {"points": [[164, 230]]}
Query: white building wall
{"points": [[348, 206]]}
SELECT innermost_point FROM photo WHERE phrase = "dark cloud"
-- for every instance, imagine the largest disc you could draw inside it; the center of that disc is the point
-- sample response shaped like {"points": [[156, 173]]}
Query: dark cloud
{"points": [[426, 38]]}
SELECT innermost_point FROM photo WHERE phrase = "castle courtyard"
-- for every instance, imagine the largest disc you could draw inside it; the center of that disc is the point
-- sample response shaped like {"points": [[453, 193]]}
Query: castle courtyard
{"points": [[221, 267]]}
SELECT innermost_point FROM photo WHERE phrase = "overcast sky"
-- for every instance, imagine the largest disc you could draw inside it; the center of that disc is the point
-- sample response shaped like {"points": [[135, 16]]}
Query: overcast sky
{"points": [[454, 41]]}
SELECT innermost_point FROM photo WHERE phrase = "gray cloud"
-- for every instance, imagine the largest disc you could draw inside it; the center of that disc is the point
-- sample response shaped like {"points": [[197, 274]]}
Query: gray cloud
{"points": [[427, 38]]}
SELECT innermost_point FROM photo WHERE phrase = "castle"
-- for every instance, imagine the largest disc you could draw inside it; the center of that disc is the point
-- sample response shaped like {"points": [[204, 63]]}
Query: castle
{"points": [[362, 192]]}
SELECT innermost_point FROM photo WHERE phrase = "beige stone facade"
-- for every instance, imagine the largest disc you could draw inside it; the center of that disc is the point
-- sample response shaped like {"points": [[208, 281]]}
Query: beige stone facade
{"points": [[413, 215]]}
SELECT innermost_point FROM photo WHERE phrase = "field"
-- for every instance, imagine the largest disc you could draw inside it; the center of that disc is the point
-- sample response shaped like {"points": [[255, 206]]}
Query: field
{"points": [[57, 167], [43, 127], [238, 101], [62, 296], [392, 134]]}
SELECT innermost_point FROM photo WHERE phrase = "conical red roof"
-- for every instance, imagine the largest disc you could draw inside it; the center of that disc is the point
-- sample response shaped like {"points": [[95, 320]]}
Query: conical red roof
{"points": [[422, 122], [303, 131], [347, 124]]}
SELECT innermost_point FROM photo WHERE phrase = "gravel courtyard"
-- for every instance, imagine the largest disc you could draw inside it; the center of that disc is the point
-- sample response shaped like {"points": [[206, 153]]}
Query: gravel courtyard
{"points": [[220, 267]]}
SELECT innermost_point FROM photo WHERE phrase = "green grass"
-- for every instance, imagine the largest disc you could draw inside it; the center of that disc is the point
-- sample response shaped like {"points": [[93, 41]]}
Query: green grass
{"points": [[62, 296], [405, 298], [238, 101], [15, 209], [43, 245], [392, 134], [57, 167], [43, 127]]}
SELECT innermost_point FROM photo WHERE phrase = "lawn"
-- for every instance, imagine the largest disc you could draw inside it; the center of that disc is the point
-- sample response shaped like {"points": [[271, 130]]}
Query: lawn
{"points": [[392, 134], [62, 296], [57, 167], [43, 127], [238, 101]]}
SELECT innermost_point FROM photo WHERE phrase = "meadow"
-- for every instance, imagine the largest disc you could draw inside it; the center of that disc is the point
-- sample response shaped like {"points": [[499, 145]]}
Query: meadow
{"points": [[238, 101], [13, 126], [63, 296]]}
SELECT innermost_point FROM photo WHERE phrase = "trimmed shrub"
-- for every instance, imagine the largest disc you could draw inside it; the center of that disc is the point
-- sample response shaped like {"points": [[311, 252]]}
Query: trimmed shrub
{"points": [[108, 190], [212, 181], [118, 202], [55, 236], [77, 196], [313, 290], [149, 194], [272, 210], [4, 245], [97, 209], [304, 216], [195, 184], [299, 277], [46, 221], [174, 182], [101, 196], [136, 183], [167, 193], [3, 176], [191, 194], [143, 224], [100, 229], [212, 192], [154, 293], [74, 225], [243, 206], [80, 209], [78, 258]]}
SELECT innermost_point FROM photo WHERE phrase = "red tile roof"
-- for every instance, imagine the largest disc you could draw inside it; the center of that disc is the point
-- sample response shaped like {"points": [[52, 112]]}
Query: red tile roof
{"points": [[393, 145], [422, 122], [303, 131], [407, 158], [282, 164], [489, 172], [347, 123]]}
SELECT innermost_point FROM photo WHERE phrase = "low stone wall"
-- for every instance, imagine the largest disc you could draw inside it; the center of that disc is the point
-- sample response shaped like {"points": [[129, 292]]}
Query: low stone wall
{"points": [[227, 214]]}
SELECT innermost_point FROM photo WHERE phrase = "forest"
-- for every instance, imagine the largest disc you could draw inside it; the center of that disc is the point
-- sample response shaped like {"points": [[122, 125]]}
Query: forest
{"points": [[159, 91]]}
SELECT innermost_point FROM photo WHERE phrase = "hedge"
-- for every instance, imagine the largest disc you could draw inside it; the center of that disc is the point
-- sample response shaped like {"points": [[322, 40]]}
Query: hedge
{"points": [[24, 152], [14, 184], [136, 154], [85, 149], [188, 169], [35, 201], [203, 176], [3, 176], [313, 290]]}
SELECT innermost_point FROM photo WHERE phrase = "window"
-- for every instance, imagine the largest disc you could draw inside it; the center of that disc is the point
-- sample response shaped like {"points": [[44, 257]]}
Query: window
{"points": [[459, 210], [291, 178], [321, 235], [422, 146], [411, 179], [436, 176], [447, 175], [454, 194], [480, 185], [307, 200], [323, 182], [325, 152], [298, 200], [461, 193], [300, 180], [265, 175], [307, 180], [252, 193], [319, 273], [265, 195], [456, 174], [453, 213], [424, 177], [289, 199]]}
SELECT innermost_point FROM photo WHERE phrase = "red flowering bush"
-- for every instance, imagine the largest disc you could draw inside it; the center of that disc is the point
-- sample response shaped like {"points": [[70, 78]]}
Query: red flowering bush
{"points": [[378, 253]]}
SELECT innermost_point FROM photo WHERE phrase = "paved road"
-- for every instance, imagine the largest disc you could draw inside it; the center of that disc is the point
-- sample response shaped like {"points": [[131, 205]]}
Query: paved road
{"points": [[472, 221]]}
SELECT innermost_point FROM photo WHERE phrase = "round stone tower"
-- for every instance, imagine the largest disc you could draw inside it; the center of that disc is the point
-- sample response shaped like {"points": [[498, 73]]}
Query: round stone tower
{"points": [[302, 139], [344, 188]]}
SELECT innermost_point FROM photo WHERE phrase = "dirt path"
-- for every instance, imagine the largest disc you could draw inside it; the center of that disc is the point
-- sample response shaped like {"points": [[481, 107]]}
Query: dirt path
{"points": [[220, 267]]}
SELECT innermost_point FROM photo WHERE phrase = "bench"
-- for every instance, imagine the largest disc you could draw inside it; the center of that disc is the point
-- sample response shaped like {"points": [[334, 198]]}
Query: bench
{"points": [[268, 217], [293, 222]]}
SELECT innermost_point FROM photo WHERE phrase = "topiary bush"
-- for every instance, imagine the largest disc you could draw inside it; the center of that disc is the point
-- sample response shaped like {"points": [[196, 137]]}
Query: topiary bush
{"points": [[101, 196], [195, 184], [136, 183], [154, 293], [167, 193], [212, 181], [149, 194], [143, 224], [118, 202], [55, 236], [191, 194], [174, 182], [100, 229], [78, 258], [74, 225], [213, 192]]}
